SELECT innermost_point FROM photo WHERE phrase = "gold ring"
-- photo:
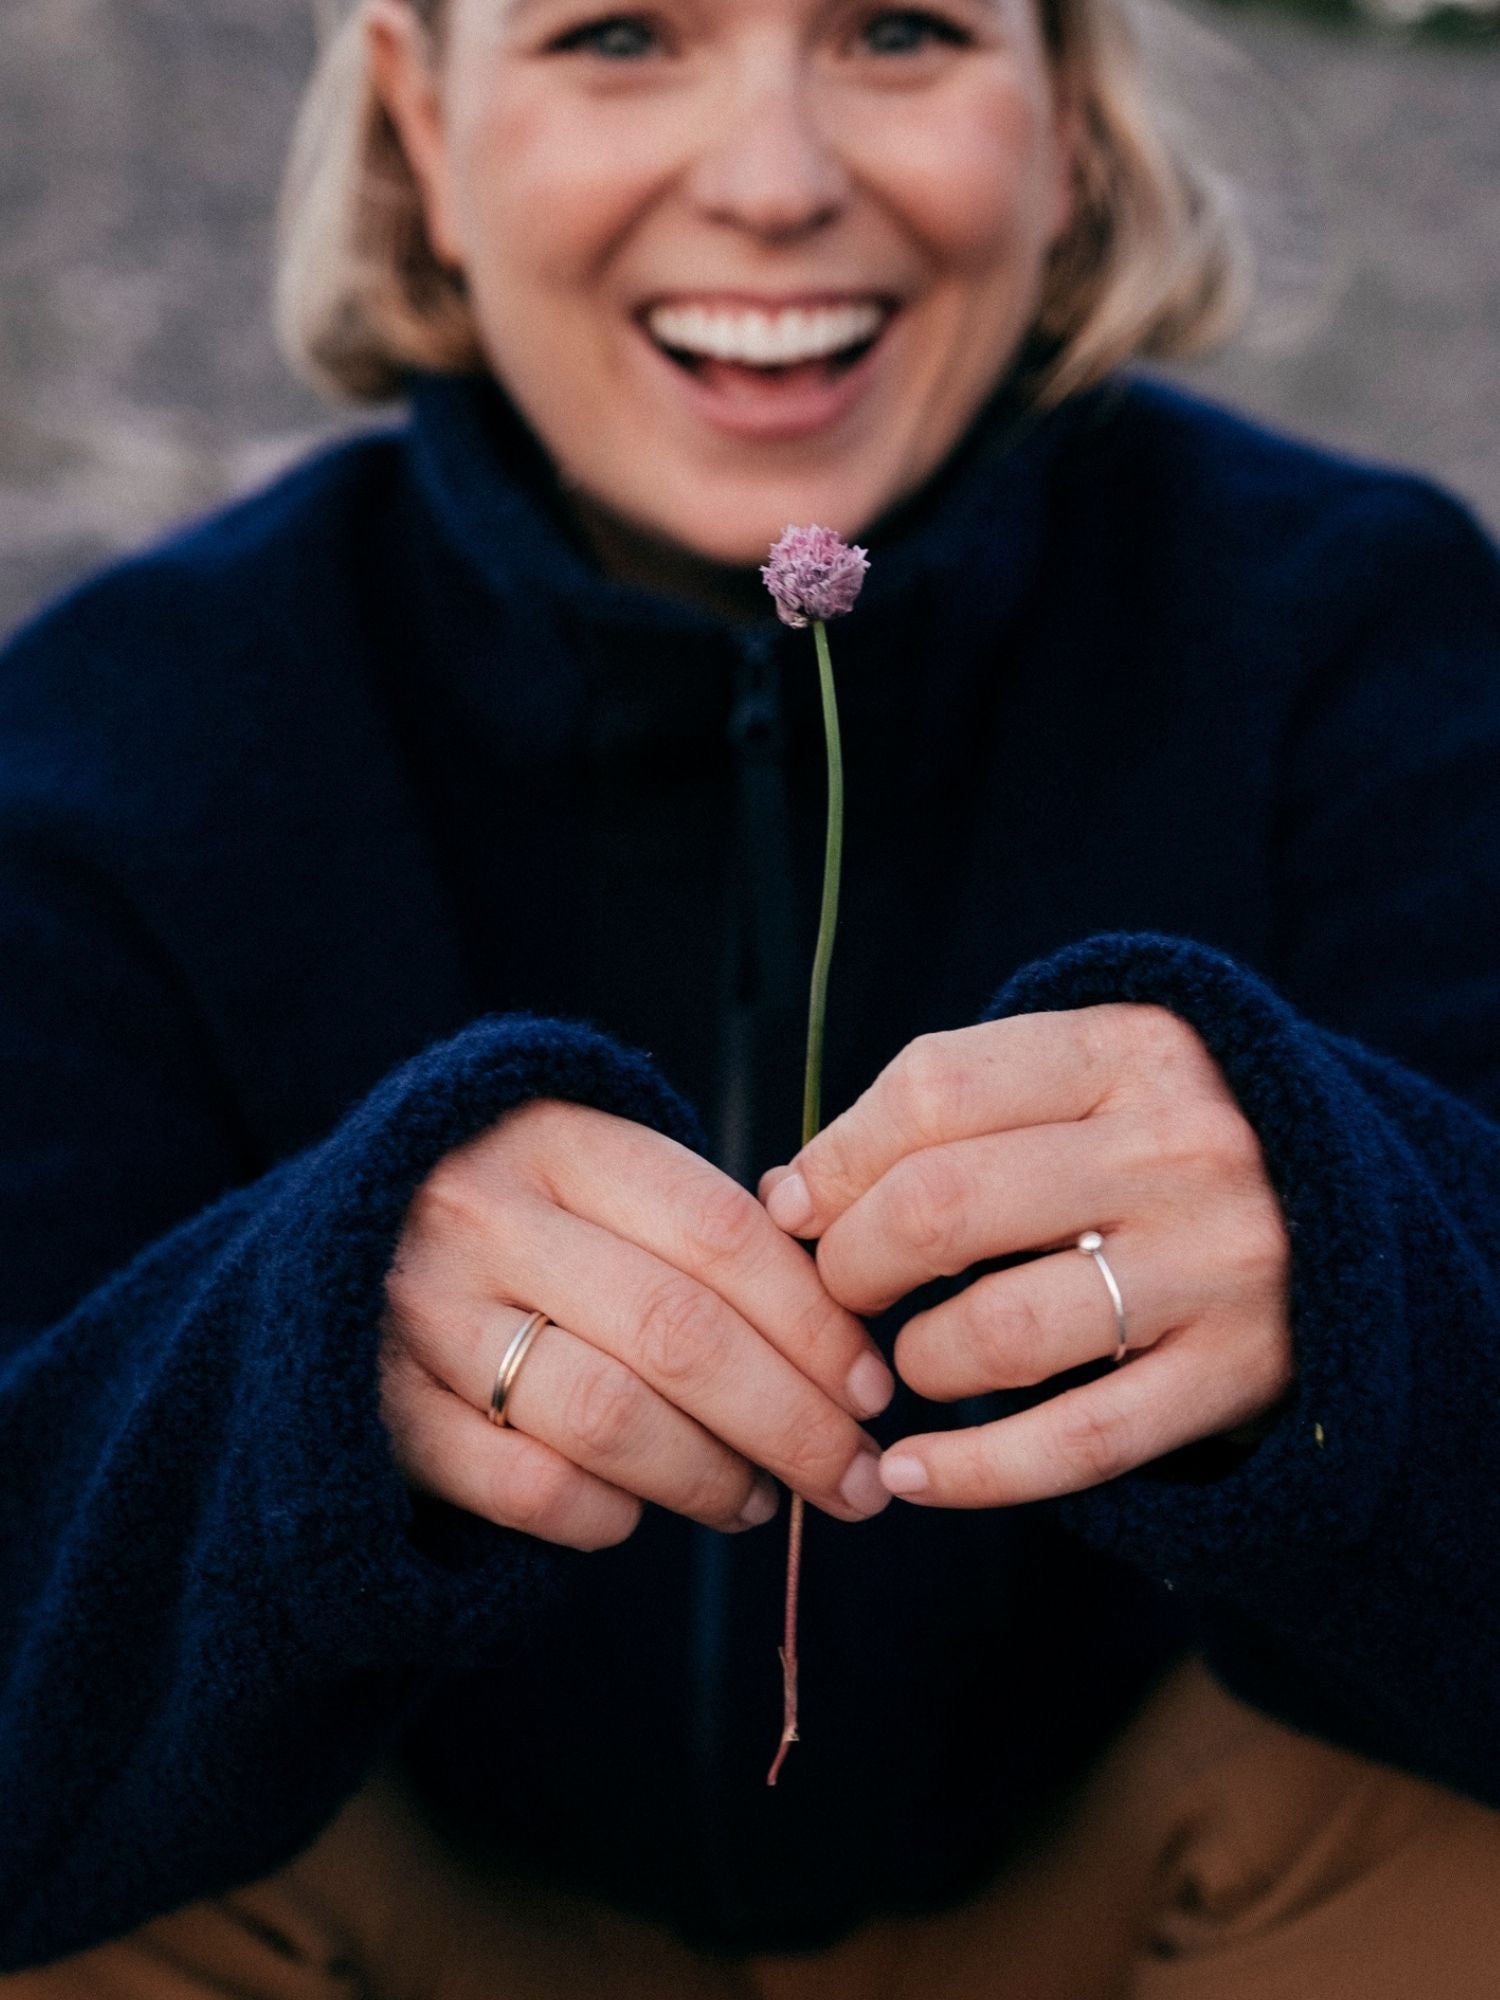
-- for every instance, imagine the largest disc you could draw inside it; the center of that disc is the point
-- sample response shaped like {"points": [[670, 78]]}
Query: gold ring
{"points": [[510, 1363]]}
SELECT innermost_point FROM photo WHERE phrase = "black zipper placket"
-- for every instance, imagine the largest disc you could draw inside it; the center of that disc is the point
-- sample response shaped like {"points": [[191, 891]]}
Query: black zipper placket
{"points": [[761, 998]]}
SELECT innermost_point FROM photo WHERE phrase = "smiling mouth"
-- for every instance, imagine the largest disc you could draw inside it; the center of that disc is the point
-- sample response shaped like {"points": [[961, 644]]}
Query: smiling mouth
{"points": [[764, 351]]}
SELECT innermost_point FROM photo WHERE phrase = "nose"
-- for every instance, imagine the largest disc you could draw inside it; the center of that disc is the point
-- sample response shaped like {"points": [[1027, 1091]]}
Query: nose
{"points": [[766, 165]]}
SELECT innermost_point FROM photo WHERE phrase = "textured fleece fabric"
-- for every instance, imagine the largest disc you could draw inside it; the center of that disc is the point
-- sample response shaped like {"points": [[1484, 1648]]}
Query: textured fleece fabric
{"points": [[368, 809]]}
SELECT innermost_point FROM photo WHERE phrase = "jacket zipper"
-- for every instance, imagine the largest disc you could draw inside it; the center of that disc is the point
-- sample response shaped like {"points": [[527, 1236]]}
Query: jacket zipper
{"points": [[760, 992]]}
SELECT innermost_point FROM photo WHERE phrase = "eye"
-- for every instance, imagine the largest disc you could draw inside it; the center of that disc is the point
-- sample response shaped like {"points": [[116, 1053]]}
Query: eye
{"points": [[902, 31], [616, 37]]}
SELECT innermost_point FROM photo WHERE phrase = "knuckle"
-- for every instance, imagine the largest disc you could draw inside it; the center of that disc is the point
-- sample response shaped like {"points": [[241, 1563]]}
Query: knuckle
{"points": [[811, 1455], [618, 1525], [725, 1221], [839, 1271], [520, 1139], [1091, 1446], [1215, 1134], [1158, 1036], [932, 1198], [1164, 1137], [448, 1207], [1090, 1036], [1260, 1248], [540, 1121], [714, 1496], [1139, 1049], [536, 1144], [1199, 1137], [928, 1085], [1157, 1139], [819, 1336], [537, 1502], [683, 1337], [826, 1166], [1127, 1143], [924, 1360], [1011, 1338], [973, 1473], [603, 1413]]}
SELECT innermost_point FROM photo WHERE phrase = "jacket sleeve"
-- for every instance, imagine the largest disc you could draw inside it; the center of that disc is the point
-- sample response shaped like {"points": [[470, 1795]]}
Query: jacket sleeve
{"points": [[1347, 1572], [217, 1600]]}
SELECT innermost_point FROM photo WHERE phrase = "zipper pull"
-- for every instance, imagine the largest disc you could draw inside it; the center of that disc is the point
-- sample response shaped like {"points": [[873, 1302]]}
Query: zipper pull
{"points": [[755, 719]]}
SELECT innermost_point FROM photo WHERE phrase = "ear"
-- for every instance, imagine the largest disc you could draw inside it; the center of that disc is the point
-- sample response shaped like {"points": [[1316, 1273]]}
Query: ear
{"points": [[405, 77]]}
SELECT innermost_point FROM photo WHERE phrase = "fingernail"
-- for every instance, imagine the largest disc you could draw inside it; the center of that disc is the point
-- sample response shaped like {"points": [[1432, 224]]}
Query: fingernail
{"points": [[789, 1204], [862, 1489], [903, 1475], [870, 1386], [762, 1504]]}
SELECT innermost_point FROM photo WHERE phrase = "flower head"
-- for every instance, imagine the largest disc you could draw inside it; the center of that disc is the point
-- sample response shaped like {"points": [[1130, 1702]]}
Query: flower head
{"points": [[814, 573]]}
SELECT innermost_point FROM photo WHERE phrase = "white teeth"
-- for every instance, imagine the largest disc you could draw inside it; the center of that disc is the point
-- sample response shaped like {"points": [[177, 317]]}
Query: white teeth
{"points": [[766, 339]]}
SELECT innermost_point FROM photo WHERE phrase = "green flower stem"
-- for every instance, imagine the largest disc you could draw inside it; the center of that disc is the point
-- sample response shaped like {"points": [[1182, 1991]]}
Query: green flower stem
{"points": [[833, 857], [812, 1105]]}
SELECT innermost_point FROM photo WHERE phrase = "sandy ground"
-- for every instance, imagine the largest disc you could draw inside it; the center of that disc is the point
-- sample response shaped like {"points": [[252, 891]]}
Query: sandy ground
{"points": [[140, 143]]}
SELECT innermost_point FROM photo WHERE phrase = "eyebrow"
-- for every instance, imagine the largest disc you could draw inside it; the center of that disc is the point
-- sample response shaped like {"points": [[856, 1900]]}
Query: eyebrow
{"points": [[518, 10], [510, 12]]}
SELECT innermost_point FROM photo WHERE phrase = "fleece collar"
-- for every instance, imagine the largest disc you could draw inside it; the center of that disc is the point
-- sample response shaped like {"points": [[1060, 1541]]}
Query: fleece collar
{"points": [[973, 534]]}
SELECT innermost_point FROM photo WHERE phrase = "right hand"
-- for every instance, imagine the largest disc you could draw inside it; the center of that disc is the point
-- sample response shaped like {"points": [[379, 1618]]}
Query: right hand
{"points": [[693, 1349]]}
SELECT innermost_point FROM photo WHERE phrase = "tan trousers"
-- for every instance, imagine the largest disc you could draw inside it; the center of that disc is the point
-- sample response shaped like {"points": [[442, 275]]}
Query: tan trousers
{"points": [[1214, 1856]]}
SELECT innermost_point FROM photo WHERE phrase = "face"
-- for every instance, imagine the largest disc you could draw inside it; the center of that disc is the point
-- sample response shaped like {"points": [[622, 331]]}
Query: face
{"points": [[738, 262]]}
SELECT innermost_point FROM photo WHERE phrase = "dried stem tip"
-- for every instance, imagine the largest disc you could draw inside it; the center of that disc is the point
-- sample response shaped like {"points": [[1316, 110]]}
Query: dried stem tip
{"points": [[813, 573]]}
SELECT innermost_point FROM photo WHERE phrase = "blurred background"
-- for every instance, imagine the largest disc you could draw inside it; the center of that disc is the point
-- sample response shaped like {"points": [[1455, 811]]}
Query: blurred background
{"points": [[141, 143]]}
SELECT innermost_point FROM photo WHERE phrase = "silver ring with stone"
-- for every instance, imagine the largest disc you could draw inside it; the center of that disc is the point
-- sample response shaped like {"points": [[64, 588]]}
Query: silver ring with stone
{"points": [[1091, 1243]]}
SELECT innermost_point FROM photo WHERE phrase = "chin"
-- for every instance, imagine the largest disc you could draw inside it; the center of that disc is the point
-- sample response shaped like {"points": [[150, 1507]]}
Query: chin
{"points": [[737, 536]]}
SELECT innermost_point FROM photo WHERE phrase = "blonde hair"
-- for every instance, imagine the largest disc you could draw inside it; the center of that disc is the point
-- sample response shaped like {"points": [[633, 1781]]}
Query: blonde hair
{"points": [[1153, 263]]}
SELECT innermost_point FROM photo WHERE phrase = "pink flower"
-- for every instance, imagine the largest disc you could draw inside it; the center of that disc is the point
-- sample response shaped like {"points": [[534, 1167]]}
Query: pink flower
{"points": [[813, 573]]}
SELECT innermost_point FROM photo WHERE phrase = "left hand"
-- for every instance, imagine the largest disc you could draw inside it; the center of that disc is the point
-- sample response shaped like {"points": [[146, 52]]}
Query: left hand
{"points": [[1020, 1135]]}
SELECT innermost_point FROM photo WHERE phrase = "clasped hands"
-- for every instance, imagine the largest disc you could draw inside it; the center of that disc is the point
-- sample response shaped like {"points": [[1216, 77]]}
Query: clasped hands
{"points": [[694, 1346], [1021, 1135]]}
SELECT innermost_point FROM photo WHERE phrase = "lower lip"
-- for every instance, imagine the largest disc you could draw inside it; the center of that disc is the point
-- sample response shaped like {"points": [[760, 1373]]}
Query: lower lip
{"points": [[770, 412]]}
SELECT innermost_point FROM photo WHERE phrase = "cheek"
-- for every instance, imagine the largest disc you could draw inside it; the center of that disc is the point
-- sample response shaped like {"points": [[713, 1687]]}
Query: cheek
{"points": [[977, 185], [546, 194]]}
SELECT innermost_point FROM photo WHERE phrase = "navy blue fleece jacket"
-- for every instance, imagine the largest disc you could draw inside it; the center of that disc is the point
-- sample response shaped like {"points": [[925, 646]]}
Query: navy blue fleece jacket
{"points": [[368, 809]]}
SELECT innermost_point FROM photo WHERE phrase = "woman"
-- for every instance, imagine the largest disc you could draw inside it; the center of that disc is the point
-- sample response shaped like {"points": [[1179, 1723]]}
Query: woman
{"points": [[408, 889]]}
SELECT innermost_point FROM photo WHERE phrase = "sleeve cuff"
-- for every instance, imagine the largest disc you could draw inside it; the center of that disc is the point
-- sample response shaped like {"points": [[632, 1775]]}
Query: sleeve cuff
{"points": [[370, 1579], [1314, 1482]]}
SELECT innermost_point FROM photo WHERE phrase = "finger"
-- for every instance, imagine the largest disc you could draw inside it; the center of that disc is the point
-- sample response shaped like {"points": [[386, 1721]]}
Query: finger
{"points": [[595, 1412], [448, 1449], [1012, 1329], [1189, 1386], [687, 1343], [938, 1211], [1031, 1069], [685, 1212]]}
